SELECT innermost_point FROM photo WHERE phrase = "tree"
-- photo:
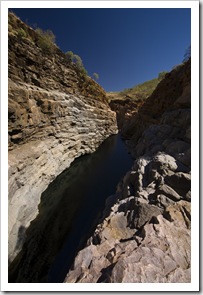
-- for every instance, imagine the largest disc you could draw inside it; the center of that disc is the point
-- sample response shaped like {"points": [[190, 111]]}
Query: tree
{"points": [[95, 76], [187, 54], [48, 35], [69, 55], [46, 40], [78, 61]]}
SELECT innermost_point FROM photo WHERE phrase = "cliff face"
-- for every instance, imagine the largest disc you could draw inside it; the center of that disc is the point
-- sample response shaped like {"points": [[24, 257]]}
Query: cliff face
{"points": [[56, 114], [144, 234], [171, 93]]}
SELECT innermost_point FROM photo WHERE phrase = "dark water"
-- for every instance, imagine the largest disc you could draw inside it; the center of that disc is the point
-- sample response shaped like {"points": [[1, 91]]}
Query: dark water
{"points": [[67, 213]]}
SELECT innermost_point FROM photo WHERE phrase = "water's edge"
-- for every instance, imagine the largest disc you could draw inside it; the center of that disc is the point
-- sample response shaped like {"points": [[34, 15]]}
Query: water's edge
{"points": [[68, 212]]}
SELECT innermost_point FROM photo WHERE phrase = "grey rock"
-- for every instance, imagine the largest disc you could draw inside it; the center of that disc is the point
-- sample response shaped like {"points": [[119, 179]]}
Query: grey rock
{"points": [[141, 214], [163, 201], [163, 162], [180, 182], [177, 147], [49, 126], [162, 255], [168, 192]]}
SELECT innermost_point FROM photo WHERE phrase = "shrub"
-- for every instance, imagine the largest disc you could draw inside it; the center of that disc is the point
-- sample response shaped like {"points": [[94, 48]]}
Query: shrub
{"points": [[83, 70], [95, 76], [77, 60], [69, 55], [21, 33], [46, 40], [48, 35]]}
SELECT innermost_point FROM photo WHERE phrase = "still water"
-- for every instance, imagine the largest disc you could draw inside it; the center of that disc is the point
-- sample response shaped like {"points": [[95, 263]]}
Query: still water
{"points": [[67, 213]]}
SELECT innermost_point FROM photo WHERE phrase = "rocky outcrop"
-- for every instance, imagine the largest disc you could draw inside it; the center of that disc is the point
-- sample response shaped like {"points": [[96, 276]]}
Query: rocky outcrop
{"points": [[125, 109], [56, 113], [134, 116], [144, 234]]}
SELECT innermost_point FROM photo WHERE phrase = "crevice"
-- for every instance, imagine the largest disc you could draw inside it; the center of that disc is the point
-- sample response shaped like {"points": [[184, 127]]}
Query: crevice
{"points": [[106, 274], [154, 220]]}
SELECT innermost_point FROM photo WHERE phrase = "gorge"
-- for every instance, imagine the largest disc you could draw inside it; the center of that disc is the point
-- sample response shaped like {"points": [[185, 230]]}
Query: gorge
{"points": [[68, 211], [55, 115], [128, 220]]}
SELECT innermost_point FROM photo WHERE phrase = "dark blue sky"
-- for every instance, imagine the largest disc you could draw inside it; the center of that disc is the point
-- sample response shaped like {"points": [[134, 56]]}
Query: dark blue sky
{"points": [[124, 46]]}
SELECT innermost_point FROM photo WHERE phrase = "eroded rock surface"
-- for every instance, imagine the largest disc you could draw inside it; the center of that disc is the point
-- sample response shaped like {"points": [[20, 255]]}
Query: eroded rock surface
{"points": [[55, 115], [144, 235]]}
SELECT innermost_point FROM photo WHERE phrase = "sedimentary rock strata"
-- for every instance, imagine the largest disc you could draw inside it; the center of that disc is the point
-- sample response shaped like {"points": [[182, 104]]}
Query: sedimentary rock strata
{"points": [[55, 115], [173, 92], [144, 234]]}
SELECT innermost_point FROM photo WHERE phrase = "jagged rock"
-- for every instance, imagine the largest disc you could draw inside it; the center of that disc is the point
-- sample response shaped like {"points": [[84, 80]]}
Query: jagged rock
{"points": [[163, 201], [168, 192], [116, 228], [157, 245], [179, 213], [154, 196], [162, 254], [141, 214], [185, 99], [180, 182], [55, 115]]}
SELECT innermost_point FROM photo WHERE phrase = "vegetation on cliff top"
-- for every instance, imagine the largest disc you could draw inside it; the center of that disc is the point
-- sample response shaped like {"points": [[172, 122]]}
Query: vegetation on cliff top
{"points": [[77, 60], [21, 33], [140, 91], [144, 90], [45, 39]]}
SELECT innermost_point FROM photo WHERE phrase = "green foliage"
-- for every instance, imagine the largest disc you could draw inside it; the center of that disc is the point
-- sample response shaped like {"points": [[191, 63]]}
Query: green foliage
{"points": [[77, 60], [83, 70], [95, 76], [69, 55], [21, 33], [48, 35], [46, 40], [143, 90]]}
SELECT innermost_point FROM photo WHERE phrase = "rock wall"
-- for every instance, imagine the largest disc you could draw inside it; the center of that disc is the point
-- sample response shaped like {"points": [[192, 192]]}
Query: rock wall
{"points": [[56, 114], [144, 234], [135, 115]]}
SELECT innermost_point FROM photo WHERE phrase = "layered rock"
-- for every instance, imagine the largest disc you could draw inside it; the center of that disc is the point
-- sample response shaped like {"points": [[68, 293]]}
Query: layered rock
{"points": [[144, 234], [56, 113], [125, 109], [135, 115]]}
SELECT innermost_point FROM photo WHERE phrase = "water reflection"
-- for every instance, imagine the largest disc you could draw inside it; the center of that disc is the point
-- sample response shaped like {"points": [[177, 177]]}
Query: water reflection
{"points": [[67, 212]]}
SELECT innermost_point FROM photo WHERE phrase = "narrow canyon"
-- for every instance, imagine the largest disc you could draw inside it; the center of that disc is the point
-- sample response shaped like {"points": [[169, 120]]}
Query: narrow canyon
{"points": [[99, 191]]}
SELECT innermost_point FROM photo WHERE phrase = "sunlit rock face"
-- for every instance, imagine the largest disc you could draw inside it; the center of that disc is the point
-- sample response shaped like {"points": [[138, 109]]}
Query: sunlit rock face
{"points": [[172, 93], [55, 114], [144, 235]]}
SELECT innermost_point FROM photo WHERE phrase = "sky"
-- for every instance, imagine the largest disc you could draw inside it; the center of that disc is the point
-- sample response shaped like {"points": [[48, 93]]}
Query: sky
{"points": [[125, 46]]}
